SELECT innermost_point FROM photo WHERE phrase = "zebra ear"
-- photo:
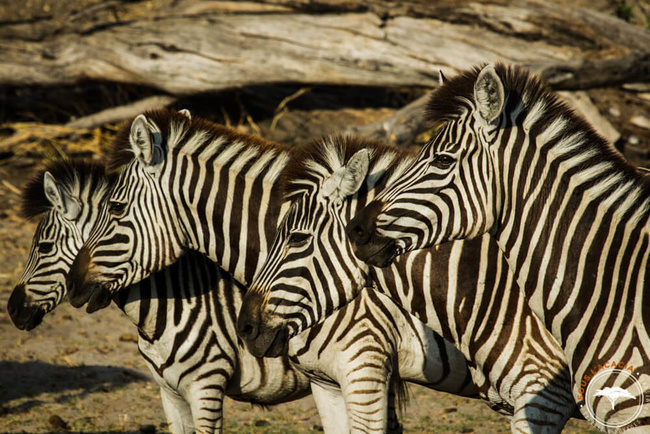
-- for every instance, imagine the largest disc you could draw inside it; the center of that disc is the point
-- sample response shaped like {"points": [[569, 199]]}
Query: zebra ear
{"points": [[62, 201], [186, 113], [347, 180], [146, 141], [441, 77], [489, 94]]}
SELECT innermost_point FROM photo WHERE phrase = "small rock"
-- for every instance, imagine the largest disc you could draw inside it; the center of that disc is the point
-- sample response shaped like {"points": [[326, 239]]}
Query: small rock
{"points": [[57, 423], [262, 422], [633, 140], [147, 429], [128, 337], [317, 428], [641, 122], [615, 111], [71, 349], [450, 410]]}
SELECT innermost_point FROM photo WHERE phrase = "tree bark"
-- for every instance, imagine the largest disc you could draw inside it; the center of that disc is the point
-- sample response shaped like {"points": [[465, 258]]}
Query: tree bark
{"points": [[210, 46]]}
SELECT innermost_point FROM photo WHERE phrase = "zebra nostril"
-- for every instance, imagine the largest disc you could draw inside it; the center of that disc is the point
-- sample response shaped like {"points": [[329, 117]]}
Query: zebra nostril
{"points": [[247, 330], [357, 234]]}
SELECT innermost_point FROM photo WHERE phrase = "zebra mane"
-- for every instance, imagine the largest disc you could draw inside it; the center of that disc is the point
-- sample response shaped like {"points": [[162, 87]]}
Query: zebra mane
{"points": [[72, 174], [311, 164], [526, 91], [178, 126]]}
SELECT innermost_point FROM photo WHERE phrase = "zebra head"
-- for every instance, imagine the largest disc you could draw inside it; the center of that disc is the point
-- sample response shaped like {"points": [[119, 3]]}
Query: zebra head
{"points": [[449, 192], [137, 231], [67, 195], [311, 269]]}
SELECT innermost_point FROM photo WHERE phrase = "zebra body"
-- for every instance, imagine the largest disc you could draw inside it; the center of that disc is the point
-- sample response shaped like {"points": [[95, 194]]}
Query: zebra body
{"points": [[569, 214], [251, 201], [185, 314], [464, 291], [191, 347]]}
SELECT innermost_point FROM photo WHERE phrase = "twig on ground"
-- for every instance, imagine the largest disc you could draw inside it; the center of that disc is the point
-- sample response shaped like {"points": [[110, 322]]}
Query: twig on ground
{"points": [[117, 114]]}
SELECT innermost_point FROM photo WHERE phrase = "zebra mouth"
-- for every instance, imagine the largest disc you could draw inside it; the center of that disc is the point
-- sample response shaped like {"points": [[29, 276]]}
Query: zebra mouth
{"points": [[29, 318], [279, 345], [97, 295], [100, 298], [385, 255]]}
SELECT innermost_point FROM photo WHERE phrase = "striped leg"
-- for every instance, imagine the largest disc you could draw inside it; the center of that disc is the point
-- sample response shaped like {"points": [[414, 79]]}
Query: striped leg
{"points": [[207, 409], [177, 411], [331, 407], [366, 398]]}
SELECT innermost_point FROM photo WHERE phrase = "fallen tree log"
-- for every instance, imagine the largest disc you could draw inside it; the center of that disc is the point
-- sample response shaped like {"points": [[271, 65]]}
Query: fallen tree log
{"points": [[210, 46]]}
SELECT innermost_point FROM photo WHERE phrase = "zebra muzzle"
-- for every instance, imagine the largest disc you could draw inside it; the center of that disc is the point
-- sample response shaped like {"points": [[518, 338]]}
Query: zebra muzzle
{"points": [[262, 338], [82, 288], [25, 316], [361, 228]]}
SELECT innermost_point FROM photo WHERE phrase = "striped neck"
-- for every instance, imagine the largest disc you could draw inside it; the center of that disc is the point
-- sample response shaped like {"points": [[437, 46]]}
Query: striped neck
{"points": [[232, 216], [155, 305], [575, 221]]}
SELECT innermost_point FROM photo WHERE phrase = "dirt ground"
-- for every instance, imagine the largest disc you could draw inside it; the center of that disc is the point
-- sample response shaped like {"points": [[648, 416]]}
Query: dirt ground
{"points": [[82, 373]]}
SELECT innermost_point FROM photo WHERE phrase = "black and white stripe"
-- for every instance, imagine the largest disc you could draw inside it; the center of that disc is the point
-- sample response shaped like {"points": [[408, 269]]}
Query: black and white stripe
{"points": [[464, 291], [206, 188], [569, 214], [185, 314]]}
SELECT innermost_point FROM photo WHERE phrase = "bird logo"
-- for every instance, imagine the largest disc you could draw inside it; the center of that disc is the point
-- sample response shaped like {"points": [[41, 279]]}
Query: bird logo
{"points": [[613, 394]]}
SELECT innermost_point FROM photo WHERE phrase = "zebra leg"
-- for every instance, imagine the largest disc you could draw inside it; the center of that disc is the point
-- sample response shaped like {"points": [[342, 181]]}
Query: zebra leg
{"points": [[177, 411], [533, 414], [331, 407], [366, 391], [206, 402]]}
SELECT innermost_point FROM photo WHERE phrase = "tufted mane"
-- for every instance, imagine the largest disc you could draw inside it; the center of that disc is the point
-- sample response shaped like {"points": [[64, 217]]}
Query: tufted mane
{"points": [[447, 103], [70, 173], [319, 158], [121, 153]]}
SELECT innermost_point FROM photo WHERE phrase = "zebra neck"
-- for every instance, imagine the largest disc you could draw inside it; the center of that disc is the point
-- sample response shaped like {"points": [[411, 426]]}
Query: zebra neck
{"points": [[575, 230], [147, 305], [231, 217], [155, 304]]}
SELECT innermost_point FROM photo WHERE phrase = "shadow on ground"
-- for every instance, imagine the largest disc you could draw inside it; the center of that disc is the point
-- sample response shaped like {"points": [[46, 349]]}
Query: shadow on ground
{"points": [[28, 380]]}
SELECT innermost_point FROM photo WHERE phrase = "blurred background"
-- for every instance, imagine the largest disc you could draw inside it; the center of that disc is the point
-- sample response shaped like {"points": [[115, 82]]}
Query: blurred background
{"points": [[287, 70]]}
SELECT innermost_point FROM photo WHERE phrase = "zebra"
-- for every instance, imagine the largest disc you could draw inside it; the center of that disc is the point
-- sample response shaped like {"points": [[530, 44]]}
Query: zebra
{"points": [[570, 215], [369, 348], [185, 314], [311, 266]]}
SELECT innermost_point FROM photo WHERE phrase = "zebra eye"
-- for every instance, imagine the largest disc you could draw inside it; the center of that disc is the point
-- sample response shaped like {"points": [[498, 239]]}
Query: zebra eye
{"points": [[298, 239], [116, 208], [45, 247], [443, 161]]}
